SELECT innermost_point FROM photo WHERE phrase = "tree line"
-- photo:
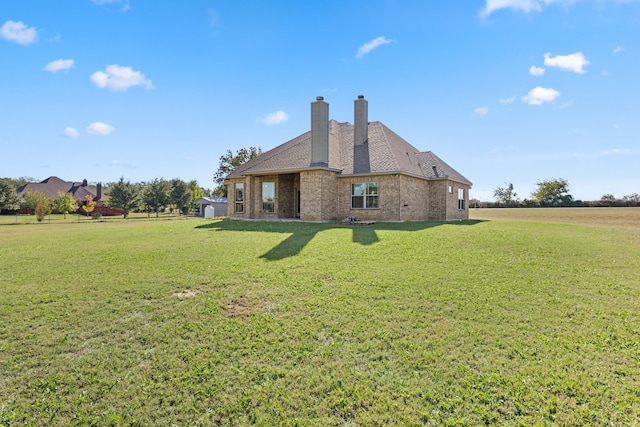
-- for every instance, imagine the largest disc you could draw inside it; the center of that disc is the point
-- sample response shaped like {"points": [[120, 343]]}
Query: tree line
{"points": [[152, 196], [553, 193]]}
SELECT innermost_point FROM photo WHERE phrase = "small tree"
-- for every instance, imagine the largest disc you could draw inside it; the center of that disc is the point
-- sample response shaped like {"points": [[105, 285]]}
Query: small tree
{"points": [[65, 203], [553, 192], [125, 196], [90, 205], [505, 195], [40, 202]]}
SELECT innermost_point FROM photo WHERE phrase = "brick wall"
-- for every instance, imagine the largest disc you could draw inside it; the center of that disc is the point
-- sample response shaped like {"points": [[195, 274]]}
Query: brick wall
{"points": [[453, 213], [318, 195], [326, 196]]}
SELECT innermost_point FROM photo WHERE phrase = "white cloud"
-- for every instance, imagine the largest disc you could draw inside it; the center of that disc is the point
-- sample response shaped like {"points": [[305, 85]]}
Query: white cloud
{"points": [[536, 71], [60, 64], [275, 118], [615, 151], [70, 132], [18, 32], [573, 62], [125, 7], [567, 104], [540, 95], [521, 5], [528, 6], [482, 111], [120, 78], [99, 128], [368, 47], [618, 49], [509, 100]]}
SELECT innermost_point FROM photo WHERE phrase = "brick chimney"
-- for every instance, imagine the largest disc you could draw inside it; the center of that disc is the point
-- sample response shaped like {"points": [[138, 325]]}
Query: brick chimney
{"points": [[319, 132], [360, 121], [98, 191]]}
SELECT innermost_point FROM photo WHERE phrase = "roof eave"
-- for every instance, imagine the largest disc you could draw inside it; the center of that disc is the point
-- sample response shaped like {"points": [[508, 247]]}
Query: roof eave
{"points": [[397, 172], [282, 171]]}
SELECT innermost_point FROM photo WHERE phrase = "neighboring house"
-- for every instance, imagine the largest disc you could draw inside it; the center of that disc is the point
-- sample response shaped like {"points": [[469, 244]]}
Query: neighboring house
{"points": [[339, 170], [219, 205], [80, 190]]}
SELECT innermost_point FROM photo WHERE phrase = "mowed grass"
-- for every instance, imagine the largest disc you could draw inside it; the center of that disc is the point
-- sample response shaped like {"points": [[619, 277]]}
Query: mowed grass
{"points": [[628, 218], [221, 322]]}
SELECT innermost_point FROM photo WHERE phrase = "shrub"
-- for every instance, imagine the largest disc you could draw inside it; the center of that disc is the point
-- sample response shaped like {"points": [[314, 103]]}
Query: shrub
{"points": [[40, 211]]}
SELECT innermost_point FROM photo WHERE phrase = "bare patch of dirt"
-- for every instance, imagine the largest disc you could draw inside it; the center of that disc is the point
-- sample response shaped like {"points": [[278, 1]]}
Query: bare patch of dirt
{"points": [[237, 308], [185, 294]]}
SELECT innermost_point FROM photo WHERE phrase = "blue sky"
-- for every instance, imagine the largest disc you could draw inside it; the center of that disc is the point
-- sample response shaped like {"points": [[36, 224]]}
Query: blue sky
{"points": [[503, 90]]}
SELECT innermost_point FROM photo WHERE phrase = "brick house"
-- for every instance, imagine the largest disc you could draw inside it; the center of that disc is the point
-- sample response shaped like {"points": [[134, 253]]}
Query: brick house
{"points": [[338, 170], [79, 190]]}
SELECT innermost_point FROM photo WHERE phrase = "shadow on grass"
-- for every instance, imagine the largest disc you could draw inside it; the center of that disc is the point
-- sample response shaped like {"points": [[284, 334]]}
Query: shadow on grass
{"points": [[301, 233]]}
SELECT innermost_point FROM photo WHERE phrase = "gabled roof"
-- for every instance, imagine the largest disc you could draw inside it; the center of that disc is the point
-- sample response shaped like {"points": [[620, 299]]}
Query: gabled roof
{"points": [[385, 152], [50, 187]]}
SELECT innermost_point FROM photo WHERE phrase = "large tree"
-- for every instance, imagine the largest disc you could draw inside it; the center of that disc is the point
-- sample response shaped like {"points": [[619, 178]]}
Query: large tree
{"points": [[505, 195], [125, 196], [180, 196], [156, 194], [65, 203], [9, 199], [196, 191], [553, 192], [230, 162]]}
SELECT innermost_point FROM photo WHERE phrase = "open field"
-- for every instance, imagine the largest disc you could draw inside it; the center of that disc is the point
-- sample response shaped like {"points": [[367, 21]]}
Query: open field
{"points": [[628, 218], [55, 219], [205, 322]]}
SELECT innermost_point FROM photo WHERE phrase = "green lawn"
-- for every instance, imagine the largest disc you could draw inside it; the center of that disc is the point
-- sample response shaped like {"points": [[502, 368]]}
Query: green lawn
{"points": [[200, 322]]}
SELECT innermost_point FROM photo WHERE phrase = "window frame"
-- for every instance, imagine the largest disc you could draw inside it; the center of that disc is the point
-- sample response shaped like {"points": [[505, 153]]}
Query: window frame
{"points": [[461, 198], [269, 206], [238, 197], [365, 195]]}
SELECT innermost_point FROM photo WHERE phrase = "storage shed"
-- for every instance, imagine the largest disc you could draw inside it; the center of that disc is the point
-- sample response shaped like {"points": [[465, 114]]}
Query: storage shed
{"points": [[219, 205]]}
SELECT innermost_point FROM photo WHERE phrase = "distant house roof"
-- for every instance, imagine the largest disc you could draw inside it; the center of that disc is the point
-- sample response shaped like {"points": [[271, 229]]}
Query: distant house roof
{"points": [[209, 200], [385, 152], [52, 185]]}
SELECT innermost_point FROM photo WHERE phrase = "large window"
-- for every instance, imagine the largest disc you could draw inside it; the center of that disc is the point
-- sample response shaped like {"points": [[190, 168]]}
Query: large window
{"points": [[461, 199], [239, 198], [365, 195], [268, 197]]}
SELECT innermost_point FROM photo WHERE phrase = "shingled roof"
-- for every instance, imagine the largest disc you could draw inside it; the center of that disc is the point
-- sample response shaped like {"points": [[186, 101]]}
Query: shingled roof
{"points": [[384, 153], [52, 185]]}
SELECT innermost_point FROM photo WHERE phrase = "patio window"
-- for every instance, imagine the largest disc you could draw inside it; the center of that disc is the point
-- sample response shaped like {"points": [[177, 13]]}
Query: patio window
{"points": [[365, 195], [239, 198], [268, 197]]}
